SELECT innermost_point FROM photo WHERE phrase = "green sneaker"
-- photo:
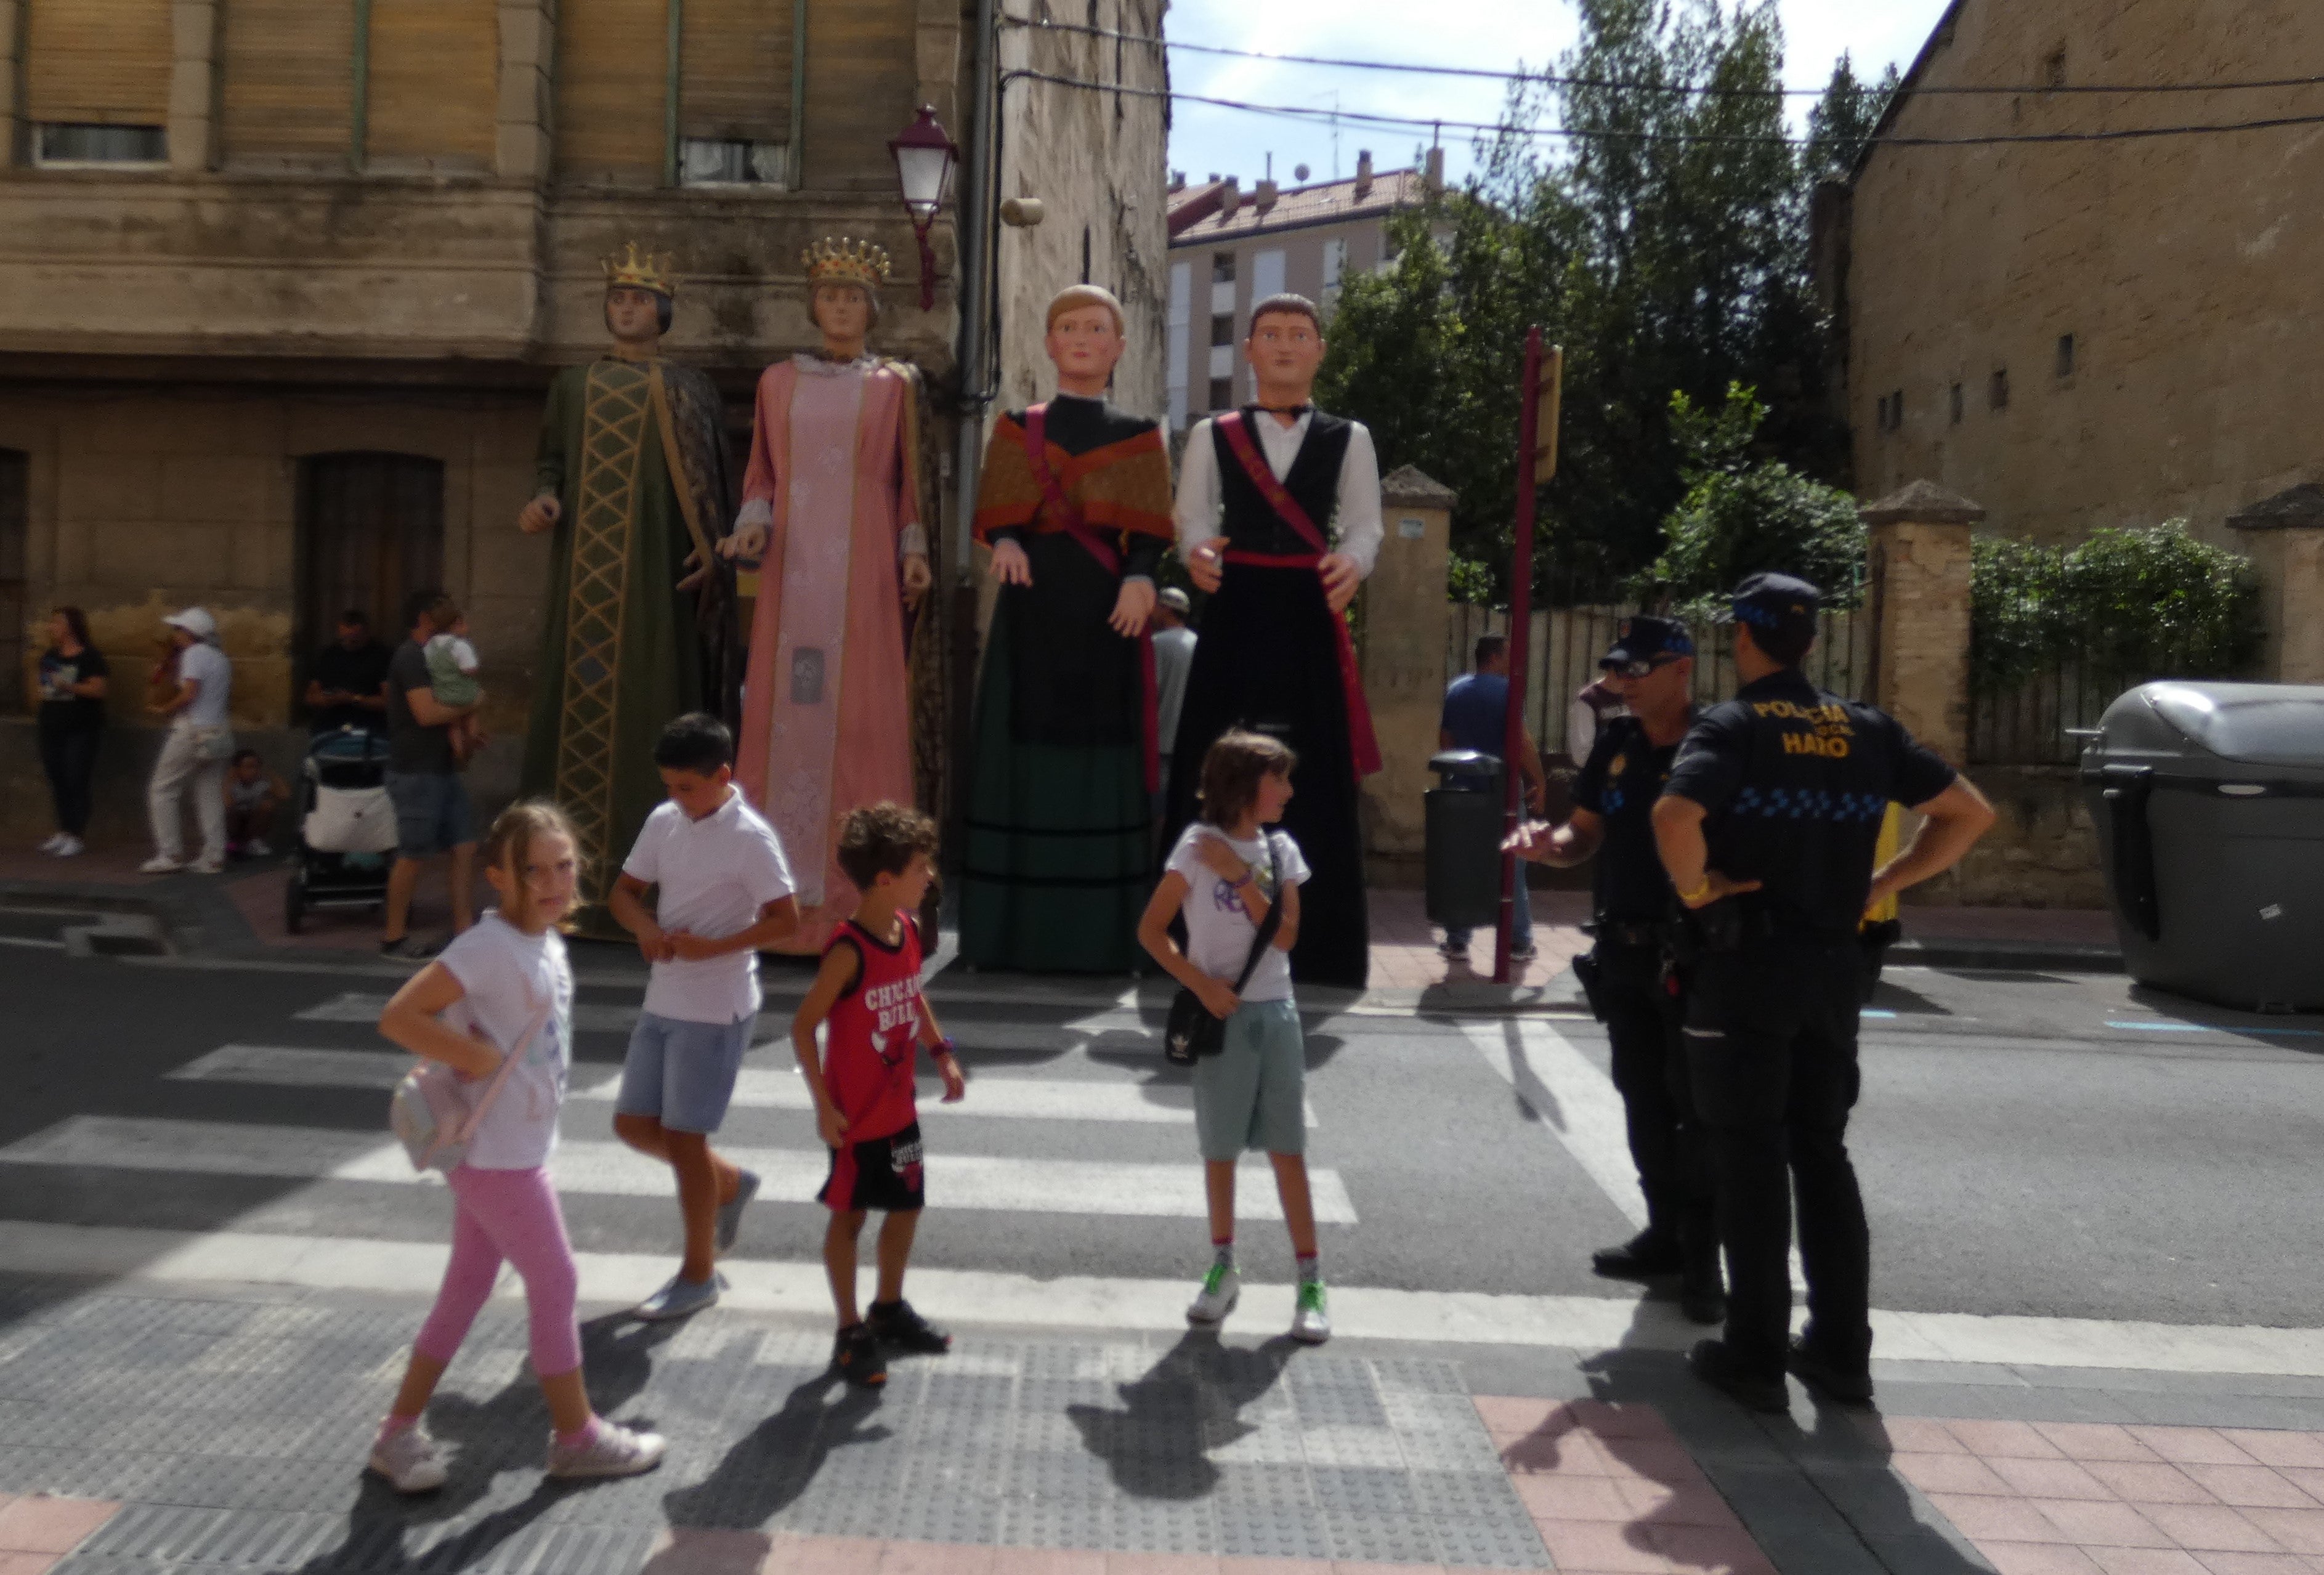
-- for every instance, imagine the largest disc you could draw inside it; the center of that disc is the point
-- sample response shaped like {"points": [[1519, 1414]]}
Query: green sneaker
{"points": [[1311, 1324], [1222, 1289]]}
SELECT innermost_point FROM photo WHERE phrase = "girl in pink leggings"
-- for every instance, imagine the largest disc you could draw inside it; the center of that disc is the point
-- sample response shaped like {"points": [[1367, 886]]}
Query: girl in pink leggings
{"points": [[469, 1009]]}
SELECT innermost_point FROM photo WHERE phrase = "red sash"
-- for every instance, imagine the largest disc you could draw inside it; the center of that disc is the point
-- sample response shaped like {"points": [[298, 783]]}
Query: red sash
{"points": [[1362, 744], [1061, 510]]}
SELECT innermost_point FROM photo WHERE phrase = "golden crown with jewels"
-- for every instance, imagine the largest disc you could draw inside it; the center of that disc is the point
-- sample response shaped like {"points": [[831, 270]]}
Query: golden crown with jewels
{"points": [[631, 269], [845, 261]]}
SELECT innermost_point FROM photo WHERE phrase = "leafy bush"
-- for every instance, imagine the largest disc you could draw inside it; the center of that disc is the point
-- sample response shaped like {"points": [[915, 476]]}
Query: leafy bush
{"points": [[1739, 517], [2131, 605]]}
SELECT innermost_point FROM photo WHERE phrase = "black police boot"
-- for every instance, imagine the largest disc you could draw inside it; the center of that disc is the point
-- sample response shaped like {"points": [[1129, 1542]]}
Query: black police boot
{"points": [[1716, 1366], [1649, 1255], [1702, 1292], [1842, 1383]]}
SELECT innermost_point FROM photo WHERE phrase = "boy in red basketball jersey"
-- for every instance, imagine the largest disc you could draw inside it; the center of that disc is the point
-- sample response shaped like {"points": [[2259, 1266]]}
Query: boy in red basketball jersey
{"points": [[868, 992]]}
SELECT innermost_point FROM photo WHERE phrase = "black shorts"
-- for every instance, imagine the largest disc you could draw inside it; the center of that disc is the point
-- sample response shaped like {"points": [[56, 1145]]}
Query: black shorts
{"points": [[879, 1172]]}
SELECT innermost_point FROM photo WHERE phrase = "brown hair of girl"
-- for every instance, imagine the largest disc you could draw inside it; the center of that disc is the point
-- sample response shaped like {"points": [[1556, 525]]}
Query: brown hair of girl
{"points": [[1234, 768], [509, 844]]}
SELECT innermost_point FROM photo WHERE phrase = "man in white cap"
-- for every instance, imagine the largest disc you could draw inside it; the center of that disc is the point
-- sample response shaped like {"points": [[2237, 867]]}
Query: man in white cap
{"points": [[196, 749]]}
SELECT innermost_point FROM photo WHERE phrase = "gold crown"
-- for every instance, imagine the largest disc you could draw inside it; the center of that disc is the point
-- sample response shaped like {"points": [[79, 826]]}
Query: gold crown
{"points": [[844, 262], [631, 270]]}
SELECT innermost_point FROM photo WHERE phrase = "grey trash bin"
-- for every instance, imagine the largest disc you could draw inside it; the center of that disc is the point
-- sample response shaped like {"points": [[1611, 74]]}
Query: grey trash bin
{"points": [[2209, 804], [1463, 818]]}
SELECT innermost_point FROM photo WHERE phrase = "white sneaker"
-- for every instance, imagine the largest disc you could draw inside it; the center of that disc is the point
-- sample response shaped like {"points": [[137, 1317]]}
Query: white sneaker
{"points": [[53, 844], [1311, 1324], [409, 1461], [160, 864], [612, 1451], [69, 847], [207, 866], [1222, 1289], [256, 848]]}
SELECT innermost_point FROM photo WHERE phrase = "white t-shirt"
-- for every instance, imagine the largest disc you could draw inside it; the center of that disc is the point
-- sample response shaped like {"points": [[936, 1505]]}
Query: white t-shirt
{"points": [[461, 654], [715, 874], [206, 664], [1218, 930], [507, 975]]}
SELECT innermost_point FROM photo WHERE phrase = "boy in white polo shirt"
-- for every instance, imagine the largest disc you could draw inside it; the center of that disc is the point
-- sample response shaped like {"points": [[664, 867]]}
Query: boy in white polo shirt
{"points": [[724, 891]]}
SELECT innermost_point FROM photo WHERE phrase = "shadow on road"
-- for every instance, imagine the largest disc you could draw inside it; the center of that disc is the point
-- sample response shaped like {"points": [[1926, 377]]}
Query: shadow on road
{"points": [[1157, 1446]]}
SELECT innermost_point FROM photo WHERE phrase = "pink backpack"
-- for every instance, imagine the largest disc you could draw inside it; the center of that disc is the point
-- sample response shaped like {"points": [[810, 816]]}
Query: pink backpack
{"points": [[434, 1114]]}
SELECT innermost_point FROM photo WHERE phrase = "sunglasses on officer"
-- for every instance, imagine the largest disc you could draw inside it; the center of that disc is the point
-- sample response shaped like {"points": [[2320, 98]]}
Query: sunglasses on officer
{"points": [[1639, 668]]}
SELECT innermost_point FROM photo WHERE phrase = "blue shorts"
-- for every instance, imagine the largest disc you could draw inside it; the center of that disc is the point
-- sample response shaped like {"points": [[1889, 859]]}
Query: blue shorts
{"points": [[1253, 1093], [682, 1073], [432, 814]]}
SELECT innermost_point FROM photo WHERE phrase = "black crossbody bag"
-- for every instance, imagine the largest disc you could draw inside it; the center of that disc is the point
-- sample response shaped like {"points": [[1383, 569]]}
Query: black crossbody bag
{"points": [[1192, 1032]]}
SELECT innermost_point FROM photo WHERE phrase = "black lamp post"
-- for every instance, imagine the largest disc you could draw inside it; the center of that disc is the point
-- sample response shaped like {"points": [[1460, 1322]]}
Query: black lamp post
{"points": [[925, 157]]}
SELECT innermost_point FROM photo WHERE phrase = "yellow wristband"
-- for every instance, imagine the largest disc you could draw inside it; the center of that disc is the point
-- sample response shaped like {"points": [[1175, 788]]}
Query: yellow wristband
{"points": [[1698, 894]]}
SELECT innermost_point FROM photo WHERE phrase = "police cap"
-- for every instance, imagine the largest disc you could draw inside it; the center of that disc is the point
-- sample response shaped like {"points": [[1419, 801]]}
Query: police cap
{"points": [[1775, 602], [1640, 643]]}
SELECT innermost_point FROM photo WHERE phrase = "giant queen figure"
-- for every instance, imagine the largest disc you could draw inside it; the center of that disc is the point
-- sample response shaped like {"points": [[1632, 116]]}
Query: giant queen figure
{"points": [[831, 509], [1075, 504], [633, 479]]}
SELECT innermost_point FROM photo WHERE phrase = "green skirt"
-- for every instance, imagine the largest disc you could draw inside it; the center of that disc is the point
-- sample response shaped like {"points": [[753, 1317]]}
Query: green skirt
{"points": [[1059, 861]]}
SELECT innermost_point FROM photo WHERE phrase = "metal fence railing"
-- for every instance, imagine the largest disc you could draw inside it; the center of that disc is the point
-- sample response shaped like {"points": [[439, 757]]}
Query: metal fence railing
{"points": [[2028, 723], [1567, 641]]}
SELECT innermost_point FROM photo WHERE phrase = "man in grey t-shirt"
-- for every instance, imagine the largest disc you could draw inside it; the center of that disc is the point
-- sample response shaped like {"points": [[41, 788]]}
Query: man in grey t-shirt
{"points": [[432, 812]]}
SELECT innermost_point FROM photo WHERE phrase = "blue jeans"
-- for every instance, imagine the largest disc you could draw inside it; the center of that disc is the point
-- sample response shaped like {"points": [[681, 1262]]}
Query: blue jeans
{"points": [[1521, 921]]}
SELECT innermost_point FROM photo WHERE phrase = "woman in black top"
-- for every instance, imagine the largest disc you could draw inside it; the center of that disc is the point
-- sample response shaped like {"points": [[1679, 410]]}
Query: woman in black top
{"points": [[73, 673]]}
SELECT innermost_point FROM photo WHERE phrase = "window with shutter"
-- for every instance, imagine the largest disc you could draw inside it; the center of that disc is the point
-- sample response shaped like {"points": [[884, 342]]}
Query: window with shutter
{"points": [[735, 91], [860, 85], [613, 89], [435, 83], [97, 63], [286, 87]]}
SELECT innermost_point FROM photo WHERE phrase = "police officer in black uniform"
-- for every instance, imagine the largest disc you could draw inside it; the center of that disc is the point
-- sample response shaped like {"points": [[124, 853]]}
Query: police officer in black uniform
{"points": [[1767, 828], [1633, 982]]}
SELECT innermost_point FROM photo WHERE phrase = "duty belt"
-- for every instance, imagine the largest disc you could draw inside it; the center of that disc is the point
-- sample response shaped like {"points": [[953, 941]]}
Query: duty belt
{"points": [[1643, 933]]}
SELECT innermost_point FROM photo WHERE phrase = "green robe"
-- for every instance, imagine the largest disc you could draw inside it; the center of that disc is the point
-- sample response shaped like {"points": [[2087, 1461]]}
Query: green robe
{"points": [[622, 649]]}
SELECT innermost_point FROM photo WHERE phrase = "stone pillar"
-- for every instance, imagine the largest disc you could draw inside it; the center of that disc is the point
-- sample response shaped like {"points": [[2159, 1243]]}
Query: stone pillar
{"points": [[2284, 539], [1920, 600], [525, 119], [193, 85], [1404, 613], [12, 76]]}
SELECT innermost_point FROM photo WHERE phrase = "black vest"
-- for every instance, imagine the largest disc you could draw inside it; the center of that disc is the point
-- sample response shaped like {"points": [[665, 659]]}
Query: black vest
{"points": [[1248, 520]]}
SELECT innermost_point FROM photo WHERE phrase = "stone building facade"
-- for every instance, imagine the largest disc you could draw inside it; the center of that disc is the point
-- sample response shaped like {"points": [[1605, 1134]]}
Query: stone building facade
{"points": [[286, 299], [2080, 335]]}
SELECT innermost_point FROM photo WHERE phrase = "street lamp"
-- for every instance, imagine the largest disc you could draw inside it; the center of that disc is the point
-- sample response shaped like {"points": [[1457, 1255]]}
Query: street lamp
{"points": [[925, 157]]}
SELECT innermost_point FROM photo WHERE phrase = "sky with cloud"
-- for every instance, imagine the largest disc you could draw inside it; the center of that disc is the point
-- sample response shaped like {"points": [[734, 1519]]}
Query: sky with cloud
{"points": [[1497, 34]]}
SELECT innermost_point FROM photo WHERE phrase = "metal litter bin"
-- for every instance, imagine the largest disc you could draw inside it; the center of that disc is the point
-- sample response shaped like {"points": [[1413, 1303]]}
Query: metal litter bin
{"points": [[1463, 820], [2209, 804]]}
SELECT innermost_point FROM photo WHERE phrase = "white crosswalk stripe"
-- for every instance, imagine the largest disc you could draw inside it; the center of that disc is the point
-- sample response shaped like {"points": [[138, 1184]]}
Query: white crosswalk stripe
{"points": [[773, 1088]]}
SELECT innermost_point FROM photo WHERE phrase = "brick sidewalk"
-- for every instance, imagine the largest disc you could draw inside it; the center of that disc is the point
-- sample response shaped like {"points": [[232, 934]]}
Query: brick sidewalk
{"points": [[203, 1431]]}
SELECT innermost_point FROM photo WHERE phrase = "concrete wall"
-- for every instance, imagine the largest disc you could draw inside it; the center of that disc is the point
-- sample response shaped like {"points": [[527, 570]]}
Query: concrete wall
{"points": [[2183, 267]]}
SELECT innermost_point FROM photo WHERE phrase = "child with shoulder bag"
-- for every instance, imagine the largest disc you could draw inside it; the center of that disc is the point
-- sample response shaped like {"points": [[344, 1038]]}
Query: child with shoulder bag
{"points": [[1226, 876], [497, 1006]]}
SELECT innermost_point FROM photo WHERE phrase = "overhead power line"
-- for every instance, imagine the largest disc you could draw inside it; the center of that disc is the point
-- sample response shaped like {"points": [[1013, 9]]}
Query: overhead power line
{"points": [[1593, 133], [1674, 88]]}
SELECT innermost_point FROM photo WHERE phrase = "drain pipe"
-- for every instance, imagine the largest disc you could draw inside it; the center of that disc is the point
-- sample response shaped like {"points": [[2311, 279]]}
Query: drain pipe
{"points": [[975, 211]]}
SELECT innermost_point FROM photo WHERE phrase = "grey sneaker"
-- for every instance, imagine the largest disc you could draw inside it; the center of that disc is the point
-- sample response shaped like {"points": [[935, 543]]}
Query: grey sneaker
{"points": [[1311, 1324], [681, 1298], [730, 1215], [1222, 1289], [408, 1462], [612, 1451]]}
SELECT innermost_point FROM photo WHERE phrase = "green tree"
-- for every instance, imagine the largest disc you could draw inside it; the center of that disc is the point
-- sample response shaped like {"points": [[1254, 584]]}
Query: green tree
{"points": [[1741, 516], [1841, 124]]}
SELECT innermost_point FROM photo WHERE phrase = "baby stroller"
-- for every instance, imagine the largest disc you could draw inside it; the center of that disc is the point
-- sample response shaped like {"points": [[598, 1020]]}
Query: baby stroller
{"points": [[346, 827]]}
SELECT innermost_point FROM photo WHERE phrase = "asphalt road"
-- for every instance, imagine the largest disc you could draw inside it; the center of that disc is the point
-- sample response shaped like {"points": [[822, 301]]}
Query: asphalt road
{"points": [[2055, 1146]]}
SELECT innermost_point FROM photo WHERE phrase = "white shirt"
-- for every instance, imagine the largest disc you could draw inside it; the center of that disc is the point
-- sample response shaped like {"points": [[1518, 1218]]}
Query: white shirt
{"points": [[461, 654], [715, 874], [1173, 658], [1218, 931], [507, 977], [1354, 526], [204, 664]]}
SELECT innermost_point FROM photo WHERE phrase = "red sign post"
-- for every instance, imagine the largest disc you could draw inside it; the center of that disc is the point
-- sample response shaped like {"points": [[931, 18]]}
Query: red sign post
{"points": [[1545, 373]]}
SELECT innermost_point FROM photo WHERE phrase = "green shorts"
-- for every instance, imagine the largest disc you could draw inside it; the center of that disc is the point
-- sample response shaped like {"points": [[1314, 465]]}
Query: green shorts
{"points": [[1253, 1093]]}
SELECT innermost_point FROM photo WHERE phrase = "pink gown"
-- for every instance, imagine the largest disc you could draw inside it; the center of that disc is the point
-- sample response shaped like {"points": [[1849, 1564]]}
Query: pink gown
{"points": [[827, 711]]}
